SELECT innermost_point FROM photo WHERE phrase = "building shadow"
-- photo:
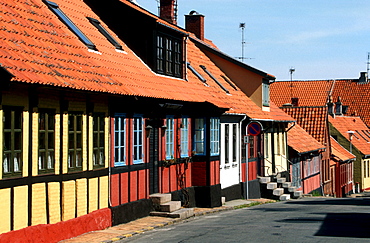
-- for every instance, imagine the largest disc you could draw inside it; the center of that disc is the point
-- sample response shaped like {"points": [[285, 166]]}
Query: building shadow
{"points": [[333, 201]]}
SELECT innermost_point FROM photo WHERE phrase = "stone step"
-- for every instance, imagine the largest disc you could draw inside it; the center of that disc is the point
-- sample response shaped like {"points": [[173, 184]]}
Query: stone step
{"points": [[281, 180], [284, 197], [292, 189], [278, 192], [265, 180], [159, 198], [271, 185], [286, 184], [298, 194], [182, 213], [170, 206]]}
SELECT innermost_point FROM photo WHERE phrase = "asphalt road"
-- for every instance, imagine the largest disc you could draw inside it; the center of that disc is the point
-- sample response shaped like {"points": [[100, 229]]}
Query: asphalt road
{"points": [[303, 220]]}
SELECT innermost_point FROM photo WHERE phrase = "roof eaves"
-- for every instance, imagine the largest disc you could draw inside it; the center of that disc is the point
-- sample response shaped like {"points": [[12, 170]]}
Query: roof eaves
{"points": [[201, 44], [311, 151]]}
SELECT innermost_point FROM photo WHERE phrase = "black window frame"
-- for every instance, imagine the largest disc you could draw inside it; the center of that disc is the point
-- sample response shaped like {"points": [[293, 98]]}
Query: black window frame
{"points": [[98, 130], [75, 148], [169, 55], [196, 73], [69, 23], [104, 32], [46, 149], [214, 79], [11, 131]]}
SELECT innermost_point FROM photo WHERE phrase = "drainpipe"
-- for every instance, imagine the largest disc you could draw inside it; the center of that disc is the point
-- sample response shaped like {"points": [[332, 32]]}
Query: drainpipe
{"points": [[240, 155]]}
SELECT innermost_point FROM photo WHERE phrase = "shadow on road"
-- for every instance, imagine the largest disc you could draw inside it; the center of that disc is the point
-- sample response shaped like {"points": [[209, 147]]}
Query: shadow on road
{"points": [[334, 201]]}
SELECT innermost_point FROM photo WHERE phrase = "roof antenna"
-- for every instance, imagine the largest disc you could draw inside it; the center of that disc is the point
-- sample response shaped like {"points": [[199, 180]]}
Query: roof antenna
{"points": [[291, 71], [368, 66], [242, 27]]}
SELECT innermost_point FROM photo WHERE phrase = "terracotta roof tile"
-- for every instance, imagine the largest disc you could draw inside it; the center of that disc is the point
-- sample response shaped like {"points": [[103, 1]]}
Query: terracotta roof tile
{"points": [[301, 141], [311, 119], [361, 137], [339, 152], [37, 48], [310, 93]]}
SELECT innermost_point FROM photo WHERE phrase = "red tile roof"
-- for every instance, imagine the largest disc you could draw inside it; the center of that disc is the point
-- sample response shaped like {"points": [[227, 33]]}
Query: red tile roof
{"points": [[361, 137], [310, 93], [37, 48], [339, 153], [311, 119], [301, 141]]}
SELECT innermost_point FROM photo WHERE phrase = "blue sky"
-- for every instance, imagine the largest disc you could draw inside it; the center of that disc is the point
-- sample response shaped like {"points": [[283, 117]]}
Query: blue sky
{"points": [[321, 39]]}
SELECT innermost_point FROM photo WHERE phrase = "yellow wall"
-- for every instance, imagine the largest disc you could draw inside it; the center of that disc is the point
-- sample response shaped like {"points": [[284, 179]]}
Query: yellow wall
{"points": [[5, 210], [20, 207], [39, 204]]}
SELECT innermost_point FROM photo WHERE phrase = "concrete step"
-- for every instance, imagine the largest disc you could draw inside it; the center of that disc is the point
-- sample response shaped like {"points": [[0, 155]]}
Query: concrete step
{"points": [[286, 184], [265, 180], [298, 194], [278, 192], [271, 185], [170, 206], [281, 180], [159, 198], [284, 197], [182, 213]]}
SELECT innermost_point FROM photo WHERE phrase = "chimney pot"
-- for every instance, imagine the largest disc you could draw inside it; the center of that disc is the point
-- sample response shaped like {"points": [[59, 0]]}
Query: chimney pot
{"points": [[194, 23]]}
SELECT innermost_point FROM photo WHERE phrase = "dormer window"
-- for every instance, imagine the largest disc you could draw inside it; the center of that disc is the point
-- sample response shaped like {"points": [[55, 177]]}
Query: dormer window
{"points": [[104, 32], [169, 56], [265, 93], [57, 11]]}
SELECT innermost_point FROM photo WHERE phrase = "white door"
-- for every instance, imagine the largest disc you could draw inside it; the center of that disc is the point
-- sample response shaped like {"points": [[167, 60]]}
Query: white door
{"points": [[230, 159]]}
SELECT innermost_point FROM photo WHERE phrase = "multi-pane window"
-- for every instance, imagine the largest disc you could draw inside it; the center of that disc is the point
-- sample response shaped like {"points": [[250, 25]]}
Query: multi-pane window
{"points": [[169, 56], [75, 132], [199, 136], [138, 140], [104, 32], [119, 140], [170, 138], [46, 158], [98, 139], [251, 147], [12, 161], [215, 136], [184, 137]]}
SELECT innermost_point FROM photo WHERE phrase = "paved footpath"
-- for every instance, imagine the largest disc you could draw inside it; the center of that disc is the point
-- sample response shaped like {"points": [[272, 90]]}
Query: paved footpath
{"points": [[138, 226]]}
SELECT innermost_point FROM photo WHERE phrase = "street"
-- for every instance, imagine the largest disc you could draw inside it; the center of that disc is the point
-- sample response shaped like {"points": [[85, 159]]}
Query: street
{"points": [[303, 220]]}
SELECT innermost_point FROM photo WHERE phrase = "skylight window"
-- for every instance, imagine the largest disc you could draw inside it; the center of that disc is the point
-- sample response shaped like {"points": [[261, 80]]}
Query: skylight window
{"points": [[55, 8], [212, 77], [229, 82], [104, 32], [196, 73]]}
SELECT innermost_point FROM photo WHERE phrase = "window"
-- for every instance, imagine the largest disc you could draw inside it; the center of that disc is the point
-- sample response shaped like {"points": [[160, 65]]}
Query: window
{"points": [[184, 137], [12, 161], [104, 32], [196, 73], [138, 140], [235, 143], [229, 82], [57, 11], [119, 140], [215, 136], [251, 147], [266, 145], [227, 144], [98, 139], [46, 158], [199, 133], [170, 138], [214, 79], [169, 56], [75, 141], [265, 93]]}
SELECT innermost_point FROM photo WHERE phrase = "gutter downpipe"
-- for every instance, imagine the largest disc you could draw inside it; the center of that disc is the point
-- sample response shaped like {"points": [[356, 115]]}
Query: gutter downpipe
{"points": [[240, 155]]}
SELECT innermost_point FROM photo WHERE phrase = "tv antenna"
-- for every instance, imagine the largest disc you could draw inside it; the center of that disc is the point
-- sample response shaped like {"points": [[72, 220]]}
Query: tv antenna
{"points": [[242, 27], [368, 64], [291, 71]]}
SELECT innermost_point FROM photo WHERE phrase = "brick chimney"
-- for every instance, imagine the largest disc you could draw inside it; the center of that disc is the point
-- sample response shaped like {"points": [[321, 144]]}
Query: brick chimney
{"points": [[194, 22], [168, 11]]}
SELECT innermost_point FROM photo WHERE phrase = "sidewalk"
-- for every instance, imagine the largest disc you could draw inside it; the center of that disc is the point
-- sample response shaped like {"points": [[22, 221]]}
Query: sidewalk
{"points": [[139, 226]]}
